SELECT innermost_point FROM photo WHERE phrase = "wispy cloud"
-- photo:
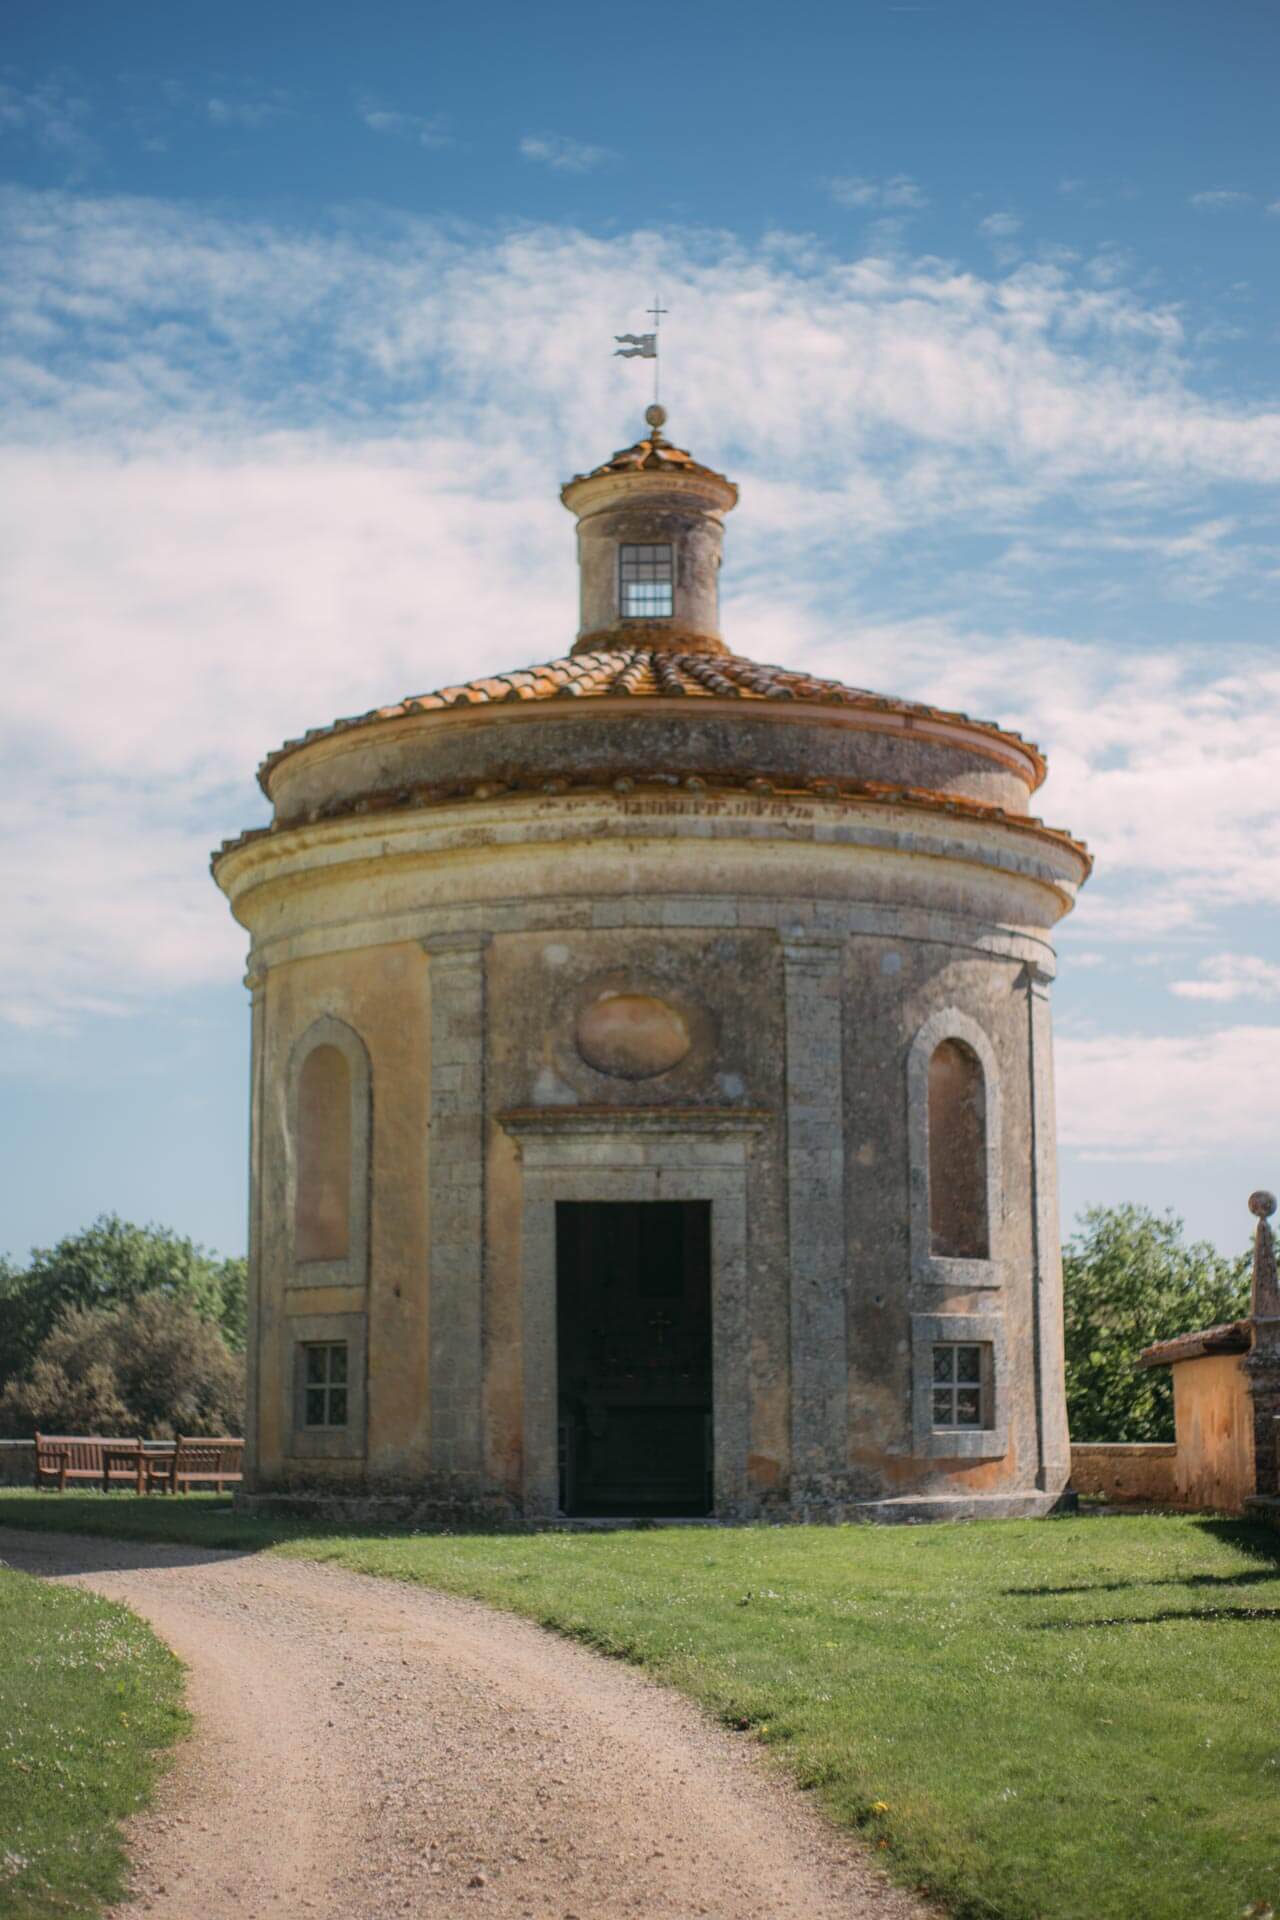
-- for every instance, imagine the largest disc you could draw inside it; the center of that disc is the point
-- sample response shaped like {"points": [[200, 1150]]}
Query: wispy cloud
{"points": [[234, 446], [426, 130], [899, 193], [1215, 199], [221, 112], [1232, 976], [1000, 226], [564, 155], [55, 119], [1158, 1097]]}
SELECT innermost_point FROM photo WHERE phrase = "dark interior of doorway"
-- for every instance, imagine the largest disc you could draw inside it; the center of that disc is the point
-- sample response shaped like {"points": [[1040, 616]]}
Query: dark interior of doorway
{"points": [[633, 1321]]}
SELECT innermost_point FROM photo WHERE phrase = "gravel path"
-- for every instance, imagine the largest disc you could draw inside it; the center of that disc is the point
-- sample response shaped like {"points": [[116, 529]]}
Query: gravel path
{"points": [[364, 1748]]}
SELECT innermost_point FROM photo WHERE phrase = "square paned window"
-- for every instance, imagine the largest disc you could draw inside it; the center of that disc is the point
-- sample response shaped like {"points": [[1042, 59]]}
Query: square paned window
{"points": [[324, 1384], [646, 583], [961, 1389]]}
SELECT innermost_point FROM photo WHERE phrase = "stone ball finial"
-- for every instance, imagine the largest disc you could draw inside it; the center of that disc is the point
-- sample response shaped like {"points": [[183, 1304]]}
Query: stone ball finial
{"points": [[1262, 1203], [656, 417]]}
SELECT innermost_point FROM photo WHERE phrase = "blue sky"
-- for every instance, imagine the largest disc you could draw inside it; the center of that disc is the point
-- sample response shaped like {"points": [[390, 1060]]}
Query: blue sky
{"points": [[306, 313]]}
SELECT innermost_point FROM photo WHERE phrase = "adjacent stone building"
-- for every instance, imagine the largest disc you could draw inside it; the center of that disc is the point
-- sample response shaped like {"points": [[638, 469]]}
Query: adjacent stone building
{"points": [[652, 1077]]}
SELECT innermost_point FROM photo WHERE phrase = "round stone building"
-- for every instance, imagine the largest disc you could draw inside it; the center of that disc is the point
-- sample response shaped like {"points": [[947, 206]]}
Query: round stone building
{"points": [[652, 1102]]}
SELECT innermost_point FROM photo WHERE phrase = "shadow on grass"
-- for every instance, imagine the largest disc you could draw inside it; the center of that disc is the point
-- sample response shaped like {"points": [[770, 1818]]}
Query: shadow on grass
{"points": [[1125, 1586], [1206, 1614]]}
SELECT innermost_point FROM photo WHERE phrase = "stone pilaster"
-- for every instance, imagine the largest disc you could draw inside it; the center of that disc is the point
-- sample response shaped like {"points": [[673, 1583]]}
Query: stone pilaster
{"points": [[1053, 1444], [257, 985], [456, 1203], [816, 1215]]}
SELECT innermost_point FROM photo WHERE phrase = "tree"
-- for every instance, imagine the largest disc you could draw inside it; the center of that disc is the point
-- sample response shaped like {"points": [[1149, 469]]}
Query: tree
{"points": [[106, 1265], [1129, 1279], [152, 1366]]}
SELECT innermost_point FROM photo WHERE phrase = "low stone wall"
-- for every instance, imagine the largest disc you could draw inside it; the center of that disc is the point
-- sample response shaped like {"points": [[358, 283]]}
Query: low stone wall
{"points": [[1126, 1470], [17, 1463]]}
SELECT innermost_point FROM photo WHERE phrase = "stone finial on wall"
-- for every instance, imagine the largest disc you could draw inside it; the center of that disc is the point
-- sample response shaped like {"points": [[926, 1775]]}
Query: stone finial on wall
{"points": [[1262, 1364], [1264, 1305]]}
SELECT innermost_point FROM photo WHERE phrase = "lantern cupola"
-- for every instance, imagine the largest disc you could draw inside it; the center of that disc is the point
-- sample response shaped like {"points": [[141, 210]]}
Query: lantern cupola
{"points": [[650, 536]]}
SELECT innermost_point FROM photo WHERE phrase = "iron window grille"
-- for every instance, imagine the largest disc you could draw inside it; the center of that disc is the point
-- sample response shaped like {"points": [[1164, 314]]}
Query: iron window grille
{"points": [[324, 1384], [961, 1393], [646, 580]]}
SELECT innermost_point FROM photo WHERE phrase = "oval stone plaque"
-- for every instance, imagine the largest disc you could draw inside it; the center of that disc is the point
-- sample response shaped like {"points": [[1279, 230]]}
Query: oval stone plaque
{"points": [[632, 1036]]}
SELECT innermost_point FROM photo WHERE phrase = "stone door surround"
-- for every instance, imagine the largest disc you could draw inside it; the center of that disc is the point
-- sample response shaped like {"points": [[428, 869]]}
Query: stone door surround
{"points": [[637, 1154]]}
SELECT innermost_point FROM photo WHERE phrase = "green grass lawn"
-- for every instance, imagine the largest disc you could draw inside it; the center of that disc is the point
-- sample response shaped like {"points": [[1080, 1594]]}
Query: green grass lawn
{"points": [[1072, 1719], [88, 1697]]}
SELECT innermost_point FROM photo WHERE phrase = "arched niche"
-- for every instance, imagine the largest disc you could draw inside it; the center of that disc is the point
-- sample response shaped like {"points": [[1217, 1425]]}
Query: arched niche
{"points": [[954, 1141], [959, 1227], [329, 1136]]}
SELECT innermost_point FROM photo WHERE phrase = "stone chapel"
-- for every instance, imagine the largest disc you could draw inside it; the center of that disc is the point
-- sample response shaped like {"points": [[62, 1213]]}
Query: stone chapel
{"points": [[652, 1084]]}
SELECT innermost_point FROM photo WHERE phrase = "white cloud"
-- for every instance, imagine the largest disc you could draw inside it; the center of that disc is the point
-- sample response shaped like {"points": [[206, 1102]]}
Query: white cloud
{"points": [[246, 113], [1274, 207], [1217, 198], [55, 119], [1154, 1097], [898, 193], [563, 155], [427, 130], [1232, 976], [1000, 226]]}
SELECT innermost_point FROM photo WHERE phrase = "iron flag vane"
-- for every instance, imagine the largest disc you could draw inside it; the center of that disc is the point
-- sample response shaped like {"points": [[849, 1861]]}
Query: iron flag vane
{"points": [[643, 346]]}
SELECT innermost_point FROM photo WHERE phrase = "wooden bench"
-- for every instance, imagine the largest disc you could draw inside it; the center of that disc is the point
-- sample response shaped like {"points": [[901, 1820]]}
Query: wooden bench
{"points": [[84, 1456], [219, 1461]]}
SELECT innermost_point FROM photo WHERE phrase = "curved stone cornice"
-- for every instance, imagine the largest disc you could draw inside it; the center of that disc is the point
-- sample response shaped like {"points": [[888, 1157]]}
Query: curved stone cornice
{"points": [[378, 805]]}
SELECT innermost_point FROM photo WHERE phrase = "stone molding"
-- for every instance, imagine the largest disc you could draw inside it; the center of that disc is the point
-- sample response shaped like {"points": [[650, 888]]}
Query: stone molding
{"points": [[1010, 844], [526, 1124], [983, 1443], [930, 1270], [353, 1269], [572, 912]]}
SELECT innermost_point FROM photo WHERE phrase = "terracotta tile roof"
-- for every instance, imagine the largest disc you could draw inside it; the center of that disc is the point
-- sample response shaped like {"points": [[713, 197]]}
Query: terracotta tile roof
{"points": [[1234, 1336], [649, 673], [653, 454]]}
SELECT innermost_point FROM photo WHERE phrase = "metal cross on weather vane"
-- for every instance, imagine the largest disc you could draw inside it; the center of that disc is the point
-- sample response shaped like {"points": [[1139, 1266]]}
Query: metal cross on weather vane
{"points": [[643, 346]]}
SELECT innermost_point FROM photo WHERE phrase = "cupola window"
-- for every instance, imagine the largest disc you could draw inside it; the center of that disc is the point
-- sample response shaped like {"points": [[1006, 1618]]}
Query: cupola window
{"points": [[646, 582]]}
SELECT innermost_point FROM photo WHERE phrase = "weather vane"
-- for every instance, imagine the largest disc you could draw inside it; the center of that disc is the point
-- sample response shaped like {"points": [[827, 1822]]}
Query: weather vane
{"points": [[643, 346]]}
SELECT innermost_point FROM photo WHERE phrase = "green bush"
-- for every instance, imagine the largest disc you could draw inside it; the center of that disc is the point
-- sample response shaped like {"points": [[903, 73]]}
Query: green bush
{"points": [[153, 1366], [1130, 1279], [107, 1265]]}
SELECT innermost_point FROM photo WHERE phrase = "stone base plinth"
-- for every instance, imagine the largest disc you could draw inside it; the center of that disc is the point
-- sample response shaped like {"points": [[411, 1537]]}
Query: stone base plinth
{"points": [[426, 1515]]}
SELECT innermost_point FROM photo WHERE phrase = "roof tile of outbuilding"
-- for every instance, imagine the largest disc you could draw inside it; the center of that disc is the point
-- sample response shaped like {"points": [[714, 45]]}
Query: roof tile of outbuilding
{"points": [[1233, 1336]]}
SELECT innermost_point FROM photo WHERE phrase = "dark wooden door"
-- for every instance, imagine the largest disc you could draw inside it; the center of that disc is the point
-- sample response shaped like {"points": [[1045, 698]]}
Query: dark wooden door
{"points": [[634, 1340]]}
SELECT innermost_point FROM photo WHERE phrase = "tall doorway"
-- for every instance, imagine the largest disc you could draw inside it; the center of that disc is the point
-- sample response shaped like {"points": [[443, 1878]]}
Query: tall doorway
{"points": [[633, 1325]]}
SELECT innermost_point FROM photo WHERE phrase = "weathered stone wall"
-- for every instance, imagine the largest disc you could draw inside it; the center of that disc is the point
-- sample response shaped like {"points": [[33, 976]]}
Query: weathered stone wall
{"points": [[1139, 1471], [806, 958], [380, 994]]}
